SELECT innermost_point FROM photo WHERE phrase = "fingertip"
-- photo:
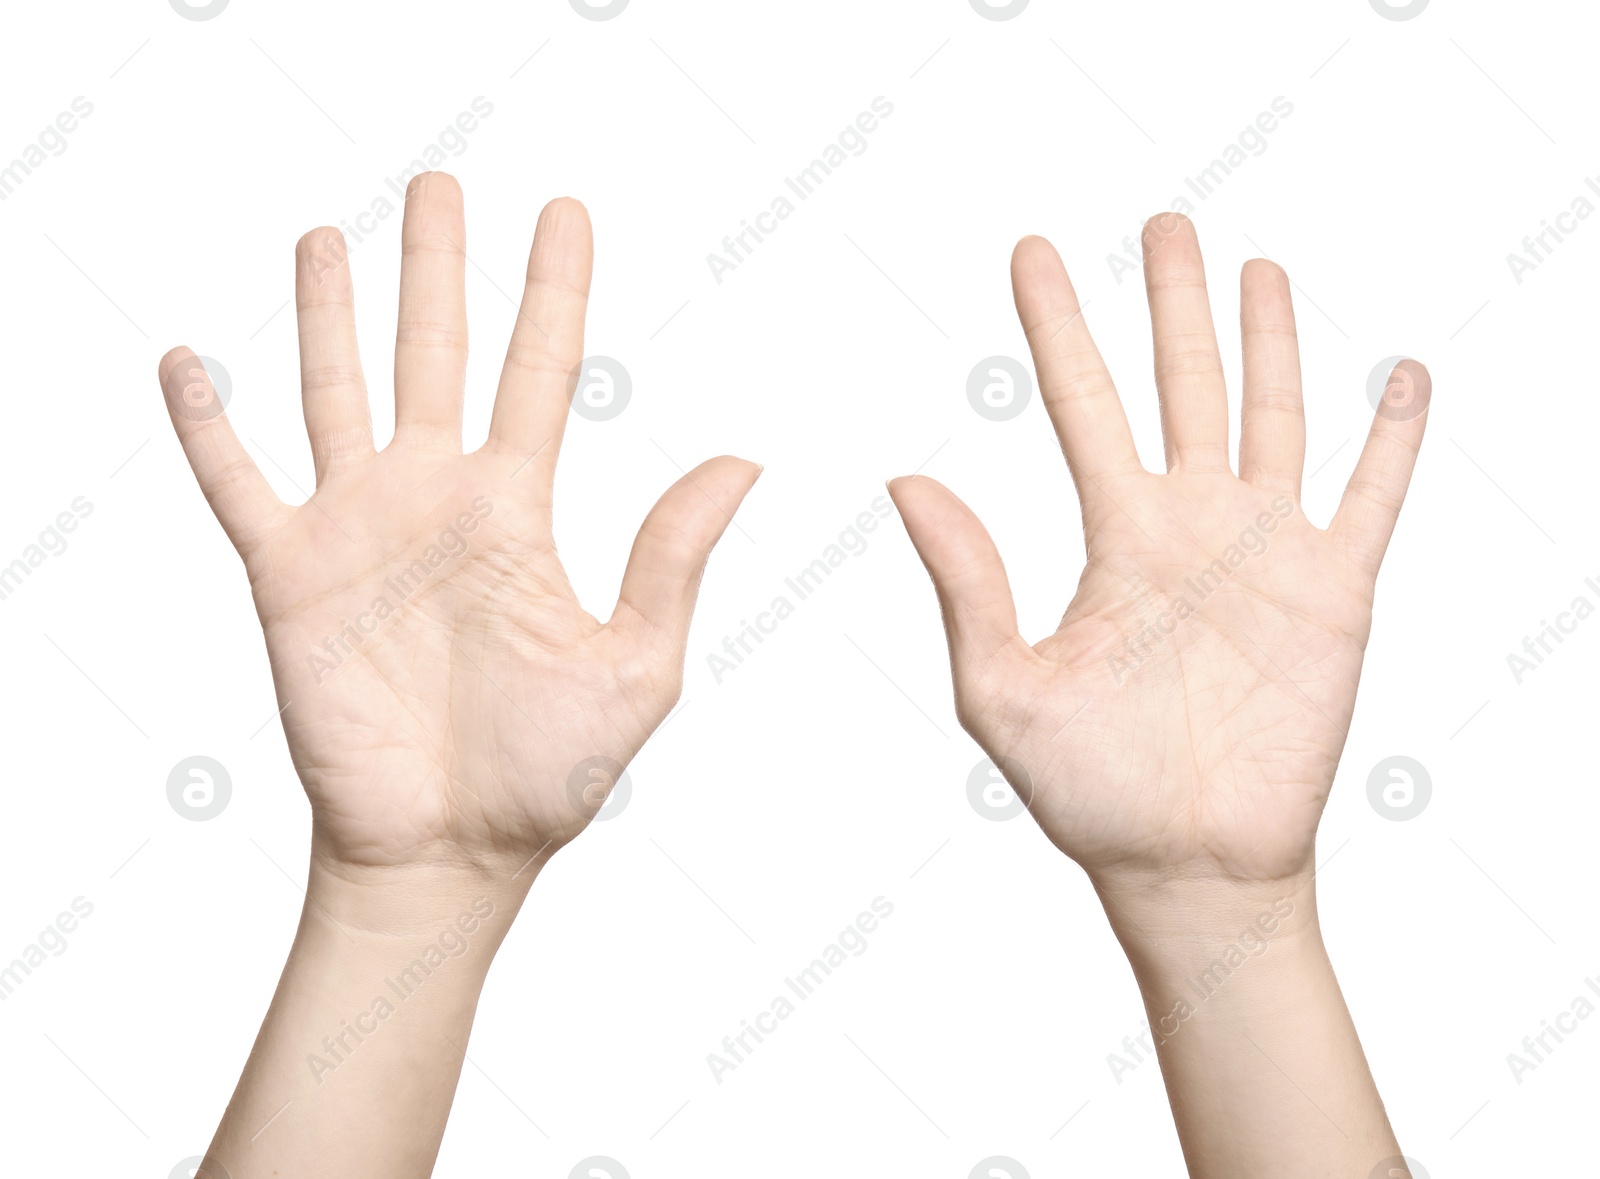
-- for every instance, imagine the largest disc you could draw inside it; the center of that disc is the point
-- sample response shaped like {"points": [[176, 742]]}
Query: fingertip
{"points": [[726, 478], [1040, 285], [927, 505], [896, 488], [904, 487], [565, 219], [187, 385], [564, 208], [747, 472], [1419, 373], [1033, 257], [1408, 392], [318, 240], [1262, 271], [322, 243], [1166, 227], [734, 462], [433, 182], [171, 360], [563, 245]]}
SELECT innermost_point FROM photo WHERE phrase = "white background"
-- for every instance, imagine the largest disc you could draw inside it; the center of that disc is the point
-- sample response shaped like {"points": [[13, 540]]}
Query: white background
{"points": [[1418, 155]]}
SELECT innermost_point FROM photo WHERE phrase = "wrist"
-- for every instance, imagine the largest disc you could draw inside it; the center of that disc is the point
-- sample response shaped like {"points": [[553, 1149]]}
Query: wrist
{"points": [[1178, 921], [372, 1011], [1226, 956], [380, 908], [1256, 1046]]}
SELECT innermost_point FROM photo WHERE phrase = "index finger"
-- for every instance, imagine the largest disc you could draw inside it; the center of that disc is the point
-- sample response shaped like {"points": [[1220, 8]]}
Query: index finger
{"points": [[1073, 381]]}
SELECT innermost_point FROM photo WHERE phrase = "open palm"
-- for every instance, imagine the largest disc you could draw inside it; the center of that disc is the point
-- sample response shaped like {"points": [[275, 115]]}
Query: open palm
{"points": [[1188, 714], [444, 695]]}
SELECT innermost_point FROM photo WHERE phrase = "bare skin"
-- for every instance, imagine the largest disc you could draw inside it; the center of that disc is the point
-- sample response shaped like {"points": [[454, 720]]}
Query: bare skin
{"points": [[454, 714], [1178, 734]]}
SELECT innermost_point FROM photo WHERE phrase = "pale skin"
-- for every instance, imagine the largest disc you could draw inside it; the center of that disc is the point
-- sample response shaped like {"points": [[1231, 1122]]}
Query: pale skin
{"points": [[1186, 770], [439, 741], [1183, 760]]}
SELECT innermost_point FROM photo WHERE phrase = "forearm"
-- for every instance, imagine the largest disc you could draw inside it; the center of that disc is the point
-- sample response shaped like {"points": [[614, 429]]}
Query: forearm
{"points": [[1262, 1063], [356, 1064]]}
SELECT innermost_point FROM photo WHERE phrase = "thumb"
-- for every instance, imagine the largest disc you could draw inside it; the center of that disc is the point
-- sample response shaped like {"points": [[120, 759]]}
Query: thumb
{"points": [[674, 542], [980, 619]]}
